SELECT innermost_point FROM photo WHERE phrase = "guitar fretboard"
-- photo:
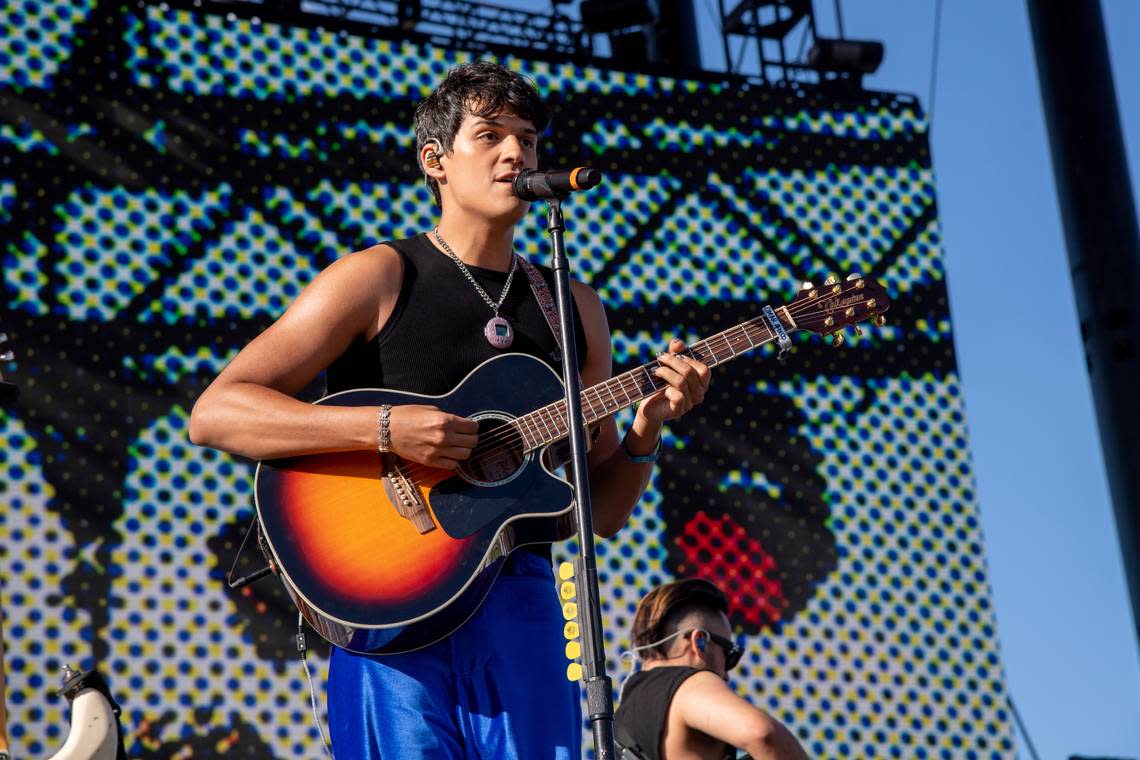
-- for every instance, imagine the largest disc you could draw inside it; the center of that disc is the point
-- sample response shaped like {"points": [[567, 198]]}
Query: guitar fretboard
{"points": [[548, 424]]}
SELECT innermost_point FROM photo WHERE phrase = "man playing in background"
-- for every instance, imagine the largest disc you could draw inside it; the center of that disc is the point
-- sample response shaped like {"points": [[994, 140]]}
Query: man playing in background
{"points": [[679, 706]]}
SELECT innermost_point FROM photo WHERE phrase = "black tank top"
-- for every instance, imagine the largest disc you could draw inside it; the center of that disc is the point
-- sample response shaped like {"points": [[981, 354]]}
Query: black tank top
{"points": [[434, 336], [639, 723]]}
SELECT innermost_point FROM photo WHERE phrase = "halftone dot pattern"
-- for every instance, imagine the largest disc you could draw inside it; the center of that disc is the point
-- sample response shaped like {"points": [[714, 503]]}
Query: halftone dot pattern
{"points": [[600, 224], [26, 138], [42, 632], [687, 137], [112, 242], [752, 481], [387, 134], [720, 549], [609, 134], [935, 329], [265, 144], [375, 212], [309, 233], [566, 77], [22, 274], [779, 234], [179, 655], [250, 270], [209, 55], [907, 658], [323, 138], [174, 364], [862, 124], [36, 37], [700, 255], [919, 265], [633, 349], [857, 212], [7, 199]]}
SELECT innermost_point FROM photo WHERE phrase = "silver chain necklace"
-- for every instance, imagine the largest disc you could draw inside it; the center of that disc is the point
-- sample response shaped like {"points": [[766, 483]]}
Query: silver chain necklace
{"points": [[498, 330]]}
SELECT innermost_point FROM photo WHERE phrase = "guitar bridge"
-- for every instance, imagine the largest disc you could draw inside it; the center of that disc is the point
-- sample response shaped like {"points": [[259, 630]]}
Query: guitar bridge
{"points": [[402, 492]]}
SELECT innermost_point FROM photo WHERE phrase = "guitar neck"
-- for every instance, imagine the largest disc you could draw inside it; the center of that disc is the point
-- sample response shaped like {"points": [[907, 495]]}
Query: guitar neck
{"points": [[548, 424]]}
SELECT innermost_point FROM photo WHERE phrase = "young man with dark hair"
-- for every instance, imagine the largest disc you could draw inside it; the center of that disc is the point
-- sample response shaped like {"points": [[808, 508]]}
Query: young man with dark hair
{"points": [[679, 705], [418, 315]]}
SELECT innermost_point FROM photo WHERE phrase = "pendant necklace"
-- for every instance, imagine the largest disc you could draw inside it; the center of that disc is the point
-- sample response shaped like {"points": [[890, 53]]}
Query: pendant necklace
{"points": [[498, 330]]}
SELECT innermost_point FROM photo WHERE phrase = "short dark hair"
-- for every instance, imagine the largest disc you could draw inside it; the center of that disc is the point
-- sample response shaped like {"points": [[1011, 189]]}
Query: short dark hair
{"points": [[481, 88], [664, 607]]}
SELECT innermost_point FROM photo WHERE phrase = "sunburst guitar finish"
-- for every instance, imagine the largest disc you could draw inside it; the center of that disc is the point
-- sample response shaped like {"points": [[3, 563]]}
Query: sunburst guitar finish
{"points": [[384, 556]]}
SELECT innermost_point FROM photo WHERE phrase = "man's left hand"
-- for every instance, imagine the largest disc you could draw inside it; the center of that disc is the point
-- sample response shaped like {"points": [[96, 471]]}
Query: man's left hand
{"points": [[688, 382]]}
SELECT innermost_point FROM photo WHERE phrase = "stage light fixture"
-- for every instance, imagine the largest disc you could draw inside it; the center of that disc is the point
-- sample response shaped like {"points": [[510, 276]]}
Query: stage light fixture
{"points": [[845, 56]]}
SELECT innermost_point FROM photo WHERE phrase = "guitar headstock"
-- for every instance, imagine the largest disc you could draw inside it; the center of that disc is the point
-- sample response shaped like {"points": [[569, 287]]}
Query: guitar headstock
{"points": [[829, 309]]}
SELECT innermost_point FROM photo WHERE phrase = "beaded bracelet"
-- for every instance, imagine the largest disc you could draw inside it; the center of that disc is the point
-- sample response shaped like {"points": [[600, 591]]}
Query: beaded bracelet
{"points": [[647, 458], [383, 434]]}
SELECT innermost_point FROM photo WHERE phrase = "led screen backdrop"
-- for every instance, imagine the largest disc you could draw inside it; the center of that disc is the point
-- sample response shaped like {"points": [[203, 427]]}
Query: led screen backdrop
{"points": [[170, 179]]}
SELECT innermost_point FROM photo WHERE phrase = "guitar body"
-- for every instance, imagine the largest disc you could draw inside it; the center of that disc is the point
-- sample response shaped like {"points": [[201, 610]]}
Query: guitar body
{"points": [[365, 576], [383, 556]]}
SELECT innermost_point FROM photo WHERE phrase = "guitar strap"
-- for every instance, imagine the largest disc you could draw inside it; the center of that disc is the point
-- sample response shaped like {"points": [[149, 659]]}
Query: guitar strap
{"points": [[545, 300], [550, 311]]}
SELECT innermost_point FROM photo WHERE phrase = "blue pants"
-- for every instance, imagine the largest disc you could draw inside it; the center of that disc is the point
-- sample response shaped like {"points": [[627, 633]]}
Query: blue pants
{"points": [[496, 688]]}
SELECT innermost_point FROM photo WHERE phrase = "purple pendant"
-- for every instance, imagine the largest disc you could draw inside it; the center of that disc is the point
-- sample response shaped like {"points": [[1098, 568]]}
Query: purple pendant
{"points": [[499, 333]]}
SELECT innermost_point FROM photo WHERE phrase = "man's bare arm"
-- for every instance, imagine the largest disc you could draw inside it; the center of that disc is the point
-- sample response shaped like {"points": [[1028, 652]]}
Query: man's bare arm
{"points": [[249, 409], [705, 703], [617, 482]]}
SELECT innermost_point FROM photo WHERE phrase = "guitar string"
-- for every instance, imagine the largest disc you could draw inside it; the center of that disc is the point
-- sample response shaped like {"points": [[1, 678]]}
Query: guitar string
{"points": [[507, 436], [555, 411]]}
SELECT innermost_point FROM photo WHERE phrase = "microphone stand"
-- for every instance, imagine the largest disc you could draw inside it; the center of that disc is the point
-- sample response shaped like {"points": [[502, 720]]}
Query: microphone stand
{"points": [[599, 689]]}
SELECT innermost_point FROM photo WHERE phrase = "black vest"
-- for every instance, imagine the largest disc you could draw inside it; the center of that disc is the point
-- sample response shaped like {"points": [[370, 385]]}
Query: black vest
{"points": [[640, 721], [434, 336]]}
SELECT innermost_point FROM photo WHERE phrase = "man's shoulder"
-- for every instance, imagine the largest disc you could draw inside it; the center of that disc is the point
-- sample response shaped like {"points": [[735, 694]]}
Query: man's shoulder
{"points": [[379, 255], [698, 686], [667, 679], [374, 266]]}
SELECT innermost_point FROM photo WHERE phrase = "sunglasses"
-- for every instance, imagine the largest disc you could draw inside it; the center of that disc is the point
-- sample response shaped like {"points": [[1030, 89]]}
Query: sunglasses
{"points": [[732, 651]]}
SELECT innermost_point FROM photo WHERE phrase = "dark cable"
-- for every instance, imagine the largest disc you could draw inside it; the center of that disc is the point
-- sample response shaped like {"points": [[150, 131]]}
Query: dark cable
{"points": [[1021, 726], [934, 60], [245, 580]]}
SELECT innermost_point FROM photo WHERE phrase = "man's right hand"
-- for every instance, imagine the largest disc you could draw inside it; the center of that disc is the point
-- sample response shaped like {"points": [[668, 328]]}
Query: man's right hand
{"points": [[431, 436]]}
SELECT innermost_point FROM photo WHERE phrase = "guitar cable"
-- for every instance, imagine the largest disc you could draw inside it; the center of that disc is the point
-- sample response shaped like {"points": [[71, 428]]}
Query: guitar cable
{"points": [[303, 648]]}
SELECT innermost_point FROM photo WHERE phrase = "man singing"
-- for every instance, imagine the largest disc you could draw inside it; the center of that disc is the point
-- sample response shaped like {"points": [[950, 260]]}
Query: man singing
{"points": [[418, 315]]}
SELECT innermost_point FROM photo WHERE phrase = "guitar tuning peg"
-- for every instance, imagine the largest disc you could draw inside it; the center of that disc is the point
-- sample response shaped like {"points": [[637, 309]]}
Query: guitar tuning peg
{"points": [[808, 285], [837, 340], [831, 280], [858, 330], [854, 276], [879, 320]]}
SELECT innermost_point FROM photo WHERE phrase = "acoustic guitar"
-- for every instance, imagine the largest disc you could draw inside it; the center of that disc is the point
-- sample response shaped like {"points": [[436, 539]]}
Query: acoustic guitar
{"points": [[383, 555]]}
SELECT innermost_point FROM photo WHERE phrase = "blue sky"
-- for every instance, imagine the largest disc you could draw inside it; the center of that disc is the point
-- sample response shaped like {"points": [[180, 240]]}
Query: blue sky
{"points": [[1071, 657]]}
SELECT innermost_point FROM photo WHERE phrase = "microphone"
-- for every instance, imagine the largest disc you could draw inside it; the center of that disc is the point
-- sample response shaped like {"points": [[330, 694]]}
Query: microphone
{"points": [[531, 185]]}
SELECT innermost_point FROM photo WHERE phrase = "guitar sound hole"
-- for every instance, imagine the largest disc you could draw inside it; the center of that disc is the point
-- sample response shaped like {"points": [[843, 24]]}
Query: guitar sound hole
{"points": [[499, 455]]}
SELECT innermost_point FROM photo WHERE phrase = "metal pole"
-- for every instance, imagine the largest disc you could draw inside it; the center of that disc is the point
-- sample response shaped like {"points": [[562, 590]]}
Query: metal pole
{"points": [[1099, 214], [599, 690]]}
